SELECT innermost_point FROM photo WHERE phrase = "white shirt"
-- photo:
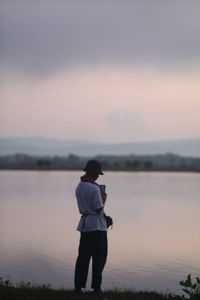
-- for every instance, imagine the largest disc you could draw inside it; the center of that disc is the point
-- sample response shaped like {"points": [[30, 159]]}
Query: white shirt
{"points": [[89, 199]]}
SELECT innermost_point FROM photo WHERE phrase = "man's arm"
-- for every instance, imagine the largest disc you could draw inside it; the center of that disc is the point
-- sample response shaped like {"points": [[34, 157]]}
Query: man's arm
{"points": [[104, 197]]}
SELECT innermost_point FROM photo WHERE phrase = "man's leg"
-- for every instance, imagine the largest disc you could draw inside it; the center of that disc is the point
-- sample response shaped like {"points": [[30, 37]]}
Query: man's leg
{"points": [[99, 256], [83, 260]]}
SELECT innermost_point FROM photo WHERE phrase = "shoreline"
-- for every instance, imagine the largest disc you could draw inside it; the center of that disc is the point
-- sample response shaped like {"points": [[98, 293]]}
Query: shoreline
{"points": [[25, 291], [173, 170]]}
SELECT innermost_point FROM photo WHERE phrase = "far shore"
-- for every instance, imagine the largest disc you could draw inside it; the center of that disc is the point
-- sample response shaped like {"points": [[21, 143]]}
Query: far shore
{"points": [[182, 170]]}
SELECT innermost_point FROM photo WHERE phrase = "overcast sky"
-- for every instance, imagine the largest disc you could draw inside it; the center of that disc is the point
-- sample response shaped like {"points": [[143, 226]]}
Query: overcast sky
{"points": [[100, 70]]}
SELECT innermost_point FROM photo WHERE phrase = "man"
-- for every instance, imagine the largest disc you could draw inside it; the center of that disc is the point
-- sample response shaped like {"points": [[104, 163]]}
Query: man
{"points": [[92, 227]]}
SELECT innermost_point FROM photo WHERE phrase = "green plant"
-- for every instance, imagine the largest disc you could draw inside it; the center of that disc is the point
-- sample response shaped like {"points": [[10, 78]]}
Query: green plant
{"points": [[190, 288], [5, 283]]}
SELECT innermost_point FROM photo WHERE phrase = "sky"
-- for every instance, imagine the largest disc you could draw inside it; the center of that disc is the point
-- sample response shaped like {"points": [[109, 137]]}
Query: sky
{"points": [[108, 71]]}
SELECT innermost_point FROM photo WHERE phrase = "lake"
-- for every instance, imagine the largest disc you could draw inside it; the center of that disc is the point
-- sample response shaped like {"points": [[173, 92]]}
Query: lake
{"points": [[155, 241]]}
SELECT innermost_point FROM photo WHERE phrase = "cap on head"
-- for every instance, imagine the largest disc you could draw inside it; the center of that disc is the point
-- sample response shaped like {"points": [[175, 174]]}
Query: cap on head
{"points": [[93, 167]]}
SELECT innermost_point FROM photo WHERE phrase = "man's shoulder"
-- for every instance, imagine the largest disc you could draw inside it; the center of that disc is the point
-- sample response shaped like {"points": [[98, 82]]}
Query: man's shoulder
{"points": [[87, 185]]}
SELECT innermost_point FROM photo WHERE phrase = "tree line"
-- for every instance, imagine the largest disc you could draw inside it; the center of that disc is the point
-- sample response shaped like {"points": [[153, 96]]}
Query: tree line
{"points": [[132, 162]]}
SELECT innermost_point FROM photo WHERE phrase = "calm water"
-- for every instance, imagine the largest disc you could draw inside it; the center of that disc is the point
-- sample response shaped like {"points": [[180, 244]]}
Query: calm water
{"points": [[155, 241]]}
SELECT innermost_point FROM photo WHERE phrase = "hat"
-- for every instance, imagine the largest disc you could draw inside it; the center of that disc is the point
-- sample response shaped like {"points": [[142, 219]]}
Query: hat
{"points": [[93, 167]]}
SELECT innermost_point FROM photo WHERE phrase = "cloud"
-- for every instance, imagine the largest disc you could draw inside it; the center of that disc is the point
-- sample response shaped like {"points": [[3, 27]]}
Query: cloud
{"points": [[128, 125], [45, 37], [102, 106]]}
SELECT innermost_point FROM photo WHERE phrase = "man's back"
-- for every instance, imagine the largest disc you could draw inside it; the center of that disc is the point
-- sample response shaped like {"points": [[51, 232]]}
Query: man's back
{"points": [[89, 200]]}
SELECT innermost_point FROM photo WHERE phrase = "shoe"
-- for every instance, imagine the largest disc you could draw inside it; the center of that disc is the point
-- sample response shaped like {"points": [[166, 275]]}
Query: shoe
{"points": [[78, 290], [97, 291]]}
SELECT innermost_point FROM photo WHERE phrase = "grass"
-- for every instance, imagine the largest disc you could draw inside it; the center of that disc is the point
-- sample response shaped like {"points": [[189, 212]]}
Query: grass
{"points": [[27, 292]]}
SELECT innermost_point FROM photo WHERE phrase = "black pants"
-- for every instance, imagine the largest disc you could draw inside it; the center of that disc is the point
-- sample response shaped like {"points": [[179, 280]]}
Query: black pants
{"points": [[92, 244]]}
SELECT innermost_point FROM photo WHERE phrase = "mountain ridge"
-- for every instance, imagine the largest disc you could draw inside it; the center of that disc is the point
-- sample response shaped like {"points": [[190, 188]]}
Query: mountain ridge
{"points": [[50, 146]]}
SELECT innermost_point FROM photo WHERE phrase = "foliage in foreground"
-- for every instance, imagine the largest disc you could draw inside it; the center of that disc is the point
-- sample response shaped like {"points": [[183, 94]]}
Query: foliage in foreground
{"points": [[192, 289], [44, 292]]}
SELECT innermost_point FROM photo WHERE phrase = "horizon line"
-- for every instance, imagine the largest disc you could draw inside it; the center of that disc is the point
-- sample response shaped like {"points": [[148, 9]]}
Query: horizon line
{"points": [[98, 142]]}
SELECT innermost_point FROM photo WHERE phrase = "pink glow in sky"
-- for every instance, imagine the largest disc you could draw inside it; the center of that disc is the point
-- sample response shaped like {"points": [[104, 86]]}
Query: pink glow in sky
{"points": [[100, 72]]}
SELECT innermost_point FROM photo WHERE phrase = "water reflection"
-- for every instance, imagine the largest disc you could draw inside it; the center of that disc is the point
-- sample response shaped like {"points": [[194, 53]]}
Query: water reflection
{"points": [[154, 243]]}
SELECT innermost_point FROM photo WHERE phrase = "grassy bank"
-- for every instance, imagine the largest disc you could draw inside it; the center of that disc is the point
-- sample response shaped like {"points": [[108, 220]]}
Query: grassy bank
{"points": [[25, 291], [40, 293]]}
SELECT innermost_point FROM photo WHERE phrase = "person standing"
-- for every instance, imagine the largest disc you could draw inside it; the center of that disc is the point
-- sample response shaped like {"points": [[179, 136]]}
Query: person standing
{"points": [[92, 226]]}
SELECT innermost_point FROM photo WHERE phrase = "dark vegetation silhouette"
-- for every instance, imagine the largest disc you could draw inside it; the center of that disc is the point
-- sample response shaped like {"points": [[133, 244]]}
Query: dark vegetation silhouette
{"points": [[45, 292], [132, 162], [25, 290]]}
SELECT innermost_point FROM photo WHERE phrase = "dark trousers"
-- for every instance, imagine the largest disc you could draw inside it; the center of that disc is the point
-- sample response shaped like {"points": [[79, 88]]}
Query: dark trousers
{"points": [[92, 244]]}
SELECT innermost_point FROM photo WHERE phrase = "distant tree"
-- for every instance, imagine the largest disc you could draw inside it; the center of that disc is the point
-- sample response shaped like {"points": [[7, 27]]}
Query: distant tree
{"points": [[132, 164], [73, 158], [136, 164], [116, 164], [43, 163], [104, 164], [148, 164]]}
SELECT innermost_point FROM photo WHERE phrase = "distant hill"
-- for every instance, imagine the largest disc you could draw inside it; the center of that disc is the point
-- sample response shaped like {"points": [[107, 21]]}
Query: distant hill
{"points": [[45, 146]]}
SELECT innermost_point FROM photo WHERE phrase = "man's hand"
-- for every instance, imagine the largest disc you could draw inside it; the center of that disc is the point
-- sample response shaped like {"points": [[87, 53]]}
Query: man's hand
{"points": [[104, 196]]}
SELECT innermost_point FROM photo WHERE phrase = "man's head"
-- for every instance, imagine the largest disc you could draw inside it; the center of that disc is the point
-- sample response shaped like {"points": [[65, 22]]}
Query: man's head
{"points": [[93, 169]]}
